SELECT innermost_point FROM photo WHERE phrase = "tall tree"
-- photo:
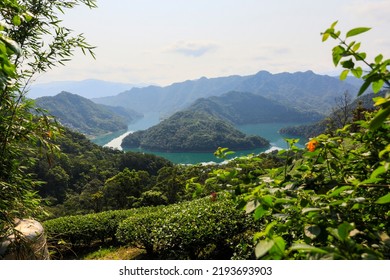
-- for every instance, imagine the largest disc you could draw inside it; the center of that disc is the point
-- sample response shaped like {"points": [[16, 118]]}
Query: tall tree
{"points": [[32, 40]]}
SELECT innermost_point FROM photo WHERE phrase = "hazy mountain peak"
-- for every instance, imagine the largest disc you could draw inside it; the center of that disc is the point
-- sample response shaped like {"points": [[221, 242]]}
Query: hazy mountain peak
{"points": [[89, 88]]}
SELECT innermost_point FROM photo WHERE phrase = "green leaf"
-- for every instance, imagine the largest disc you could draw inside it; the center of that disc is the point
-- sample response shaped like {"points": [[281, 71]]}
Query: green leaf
{"points": [[16, 20], [380, 170], [259, 212], [344, 74], [380, 101], [377, 85], [337, 54], [12, 45], [263, 247], [306, 210], [325, 36], [343, 230], [348, 64], [307, 248], [379, 118], [356, 47], [267, 200], [360, 56], [378, 58], [339, 190], [384, 199], [363, 88], [357, 72], [357, 31], [279, 245]]}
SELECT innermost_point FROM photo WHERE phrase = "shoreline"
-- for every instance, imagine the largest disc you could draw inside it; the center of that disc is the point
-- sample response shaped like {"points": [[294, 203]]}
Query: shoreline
{"points": [[116, 142]]}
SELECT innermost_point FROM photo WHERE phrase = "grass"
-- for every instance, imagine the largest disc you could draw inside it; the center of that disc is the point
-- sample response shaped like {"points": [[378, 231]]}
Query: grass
{"points": [[115, 253]]}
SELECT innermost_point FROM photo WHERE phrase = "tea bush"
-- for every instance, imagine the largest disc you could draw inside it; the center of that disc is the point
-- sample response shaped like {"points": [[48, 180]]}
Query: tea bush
{"points": [[84, 229], [197, 229]]}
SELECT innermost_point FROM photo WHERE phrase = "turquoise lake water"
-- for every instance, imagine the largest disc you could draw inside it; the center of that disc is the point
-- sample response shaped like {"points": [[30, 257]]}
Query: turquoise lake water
{"points": [[266, 130]]}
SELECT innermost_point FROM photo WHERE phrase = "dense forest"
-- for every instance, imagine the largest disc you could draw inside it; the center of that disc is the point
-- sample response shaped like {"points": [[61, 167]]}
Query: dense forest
{"points": [[88, 178]]}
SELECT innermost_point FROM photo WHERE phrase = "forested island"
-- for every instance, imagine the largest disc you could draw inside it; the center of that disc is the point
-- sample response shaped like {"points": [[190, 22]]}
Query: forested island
{"points": [[192, 131]]}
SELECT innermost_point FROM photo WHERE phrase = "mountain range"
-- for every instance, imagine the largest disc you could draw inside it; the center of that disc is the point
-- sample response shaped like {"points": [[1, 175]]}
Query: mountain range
{"points": [[248, 108], [303, 91]]}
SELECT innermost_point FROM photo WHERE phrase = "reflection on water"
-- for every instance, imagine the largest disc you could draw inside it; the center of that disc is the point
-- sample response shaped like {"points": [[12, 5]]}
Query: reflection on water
{"points": [[267, 130]]}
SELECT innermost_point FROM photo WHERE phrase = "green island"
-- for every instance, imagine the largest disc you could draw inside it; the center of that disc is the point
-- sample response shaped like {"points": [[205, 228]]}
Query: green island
{"points": [[192, 131]]}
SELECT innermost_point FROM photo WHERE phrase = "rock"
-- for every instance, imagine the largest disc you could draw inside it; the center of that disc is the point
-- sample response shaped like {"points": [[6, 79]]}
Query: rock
{"points": [[28, 242]]}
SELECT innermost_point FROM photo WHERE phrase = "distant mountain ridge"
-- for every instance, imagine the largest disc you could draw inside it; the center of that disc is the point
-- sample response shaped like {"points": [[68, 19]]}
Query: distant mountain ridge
{"points": [[304, 91], [85, 116], [89, 88], [248, 108]]}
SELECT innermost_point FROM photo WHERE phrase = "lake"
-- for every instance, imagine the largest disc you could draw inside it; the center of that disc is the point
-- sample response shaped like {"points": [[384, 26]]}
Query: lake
{"points": [[266, 130]]}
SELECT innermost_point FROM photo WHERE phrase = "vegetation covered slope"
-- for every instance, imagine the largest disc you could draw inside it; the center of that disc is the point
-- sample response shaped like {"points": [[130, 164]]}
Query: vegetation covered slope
{"points": [[191, 131], [249, 108], [340, 116], [83, 115], [89, 178]]}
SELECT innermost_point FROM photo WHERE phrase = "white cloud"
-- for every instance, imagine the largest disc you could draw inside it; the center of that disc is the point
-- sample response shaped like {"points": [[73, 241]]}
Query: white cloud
{"points": [[194, 49]]}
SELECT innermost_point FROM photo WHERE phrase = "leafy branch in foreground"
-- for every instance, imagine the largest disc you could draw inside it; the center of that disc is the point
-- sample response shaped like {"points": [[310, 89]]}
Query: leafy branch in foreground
{"points": [[32, 40], [348, 55]]}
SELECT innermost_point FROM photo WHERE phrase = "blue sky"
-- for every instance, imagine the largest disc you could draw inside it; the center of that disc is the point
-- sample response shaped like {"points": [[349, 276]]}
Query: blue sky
{"points": [[167, 41]]}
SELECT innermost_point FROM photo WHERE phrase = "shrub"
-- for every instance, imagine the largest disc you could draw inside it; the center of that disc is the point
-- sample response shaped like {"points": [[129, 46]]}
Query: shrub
{"points": [[84, 229], [193, 229]]}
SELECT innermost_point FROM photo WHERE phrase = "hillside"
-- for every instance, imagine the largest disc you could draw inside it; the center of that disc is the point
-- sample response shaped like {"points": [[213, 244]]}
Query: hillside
{"points": [[332, 120], [84, 116], [248, 108], [190, 131], [304, 91], [75, 180]]}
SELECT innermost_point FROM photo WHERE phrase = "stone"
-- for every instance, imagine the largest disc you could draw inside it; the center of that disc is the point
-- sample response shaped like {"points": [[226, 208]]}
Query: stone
{"points": [[27, 242]]}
